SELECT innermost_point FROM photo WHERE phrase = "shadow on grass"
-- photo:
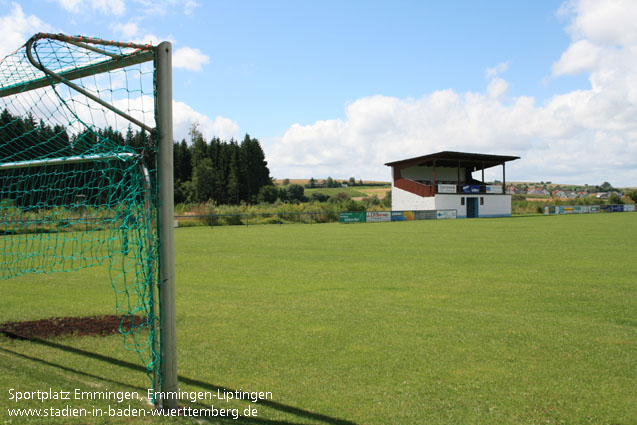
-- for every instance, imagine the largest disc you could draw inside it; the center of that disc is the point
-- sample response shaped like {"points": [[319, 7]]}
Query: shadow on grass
{"points": [[315, 417]]}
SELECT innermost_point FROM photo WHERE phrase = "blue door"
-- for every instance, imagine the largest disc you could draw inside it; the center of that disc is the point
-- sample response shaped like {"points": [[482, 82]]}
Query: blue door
{"points": [[472, 207]]}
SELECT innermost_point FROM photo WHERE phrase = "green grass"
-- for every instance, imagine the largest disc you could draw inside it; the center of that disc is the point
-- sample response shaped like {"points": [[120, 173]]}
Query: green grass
{"points": [[489, 321], [352, 191]]}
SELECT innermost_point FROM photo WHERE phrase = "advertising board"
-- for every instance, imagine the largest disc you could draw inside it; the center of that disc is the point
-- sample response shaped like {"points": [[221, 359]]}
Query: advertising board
{"points": [[446, 188], [471, 188], [425, 215], [444, 214], [352, 217], [378, 216]]}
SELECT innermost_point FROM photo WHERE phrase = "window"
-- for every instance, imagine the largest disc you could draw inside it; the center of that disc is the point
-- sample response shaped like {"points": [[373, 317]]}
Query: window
{"points": [[482, 200], [462, 200]]}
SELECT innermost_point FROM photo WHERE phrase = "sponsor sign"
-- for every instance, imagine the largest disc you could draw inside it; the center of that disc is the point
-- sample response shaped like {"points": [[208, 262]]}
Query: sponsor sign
{"points": [[352, 217], [471, 188], [566, 210], [377, 216], [443, 214], [551, 210], [425, 215], [496, 188], [578, 209], [402, 216], [618, 208], [446, 188], [593, 208], [629, 207]]}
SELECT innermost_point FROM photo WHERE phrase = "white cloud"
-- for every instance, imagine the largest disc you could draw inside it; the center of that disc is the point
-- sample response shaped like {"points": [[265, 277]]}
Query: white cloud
{"points": [[18, 27], [579, 57], [496, 70], [497, 88], [185, 116], [71, 5], [127, 30], [190, 6], [107, 7], [190, 58], [610, 22], [584, 136]]}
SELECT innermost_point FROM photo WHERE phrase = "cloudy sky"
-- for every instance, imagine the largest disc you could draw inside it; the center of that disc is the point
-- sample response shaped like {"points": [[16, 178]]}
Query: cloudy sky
{"points": [[339, 88]]}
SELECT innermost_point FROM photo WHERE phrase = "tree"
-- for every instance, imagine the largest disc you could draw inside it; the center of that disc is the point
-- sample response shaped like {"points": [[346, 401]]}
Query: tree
{"points": [[633, 195], [268, 194], [606, 187], [254, 168], [352, 181], [329, 182], [233, 186], [182, 162], [286, 182], [199, 145], [615, 199], [296, 193], [204, 180], [319, 197]]}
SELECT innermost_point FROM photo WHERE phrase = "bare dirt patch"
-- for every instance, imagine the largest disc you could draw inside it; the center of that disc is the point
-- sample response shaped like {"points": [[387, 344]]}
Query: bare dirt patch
{"points": [[61, 326]]}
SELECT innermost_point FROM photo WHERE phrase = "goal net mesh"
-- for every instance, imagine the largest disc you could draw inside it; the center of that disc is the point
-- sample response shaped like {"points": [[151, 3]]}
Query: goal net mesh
{"points": [[78, 182]]}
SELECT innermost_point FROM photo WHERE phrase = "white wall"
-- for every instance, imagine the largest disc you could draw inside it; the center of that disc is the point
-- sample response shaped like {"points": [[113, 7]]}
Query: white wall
{"points": [[402, 200], [451, 202], [494, 205], [427, 173]]}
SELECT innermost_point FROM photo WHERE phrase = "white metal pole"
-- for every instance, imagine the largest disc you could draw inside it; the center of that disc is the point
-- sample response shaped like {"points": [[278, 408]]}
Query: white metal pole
{"points": [[168, 328]]}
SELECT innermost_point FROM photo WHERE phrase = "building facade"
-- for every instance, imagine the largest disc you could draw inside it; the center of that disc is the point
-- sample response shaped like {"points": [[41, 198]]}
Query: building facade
{"points": [[444, 180]]}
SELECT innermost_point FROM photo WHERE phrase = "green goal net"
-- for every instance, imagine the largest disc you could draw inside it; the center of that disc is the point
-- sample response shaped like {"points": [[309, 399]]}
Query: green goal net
{"points": [[78, 174]]}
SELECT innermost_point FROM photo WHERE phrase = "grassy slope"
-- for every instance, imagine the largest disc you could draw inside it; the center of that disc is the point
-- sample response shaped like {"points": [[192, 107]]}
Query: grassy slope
{"points": [[353, 191], [518, 320]]}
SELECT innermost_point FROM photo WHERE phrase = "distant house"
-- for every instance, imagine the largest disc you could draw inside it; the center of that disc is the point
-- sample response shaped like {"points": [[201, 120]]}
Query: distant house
{"points": [[444, 181], [538, 191]]}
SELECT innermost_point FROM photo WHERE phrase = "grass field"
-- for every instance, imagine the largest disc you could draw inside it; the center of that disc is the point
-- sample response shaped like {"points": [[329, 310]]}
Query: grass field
{"points": [[488, 321], [352, 191]]}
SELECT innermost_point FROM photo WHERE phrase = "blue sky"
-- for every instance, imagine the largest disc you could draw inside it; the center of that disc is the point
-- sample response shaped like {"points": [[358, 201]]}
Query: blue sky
{"points": [[340, 87]]}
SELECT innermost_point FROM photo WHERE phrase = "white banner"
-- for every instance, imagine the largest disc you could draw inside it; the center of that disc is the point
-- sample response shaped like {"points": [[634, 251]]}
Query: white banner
{"points": [[376, 216], [442, 214], [496, 188], [446, 188], [629, 207]]}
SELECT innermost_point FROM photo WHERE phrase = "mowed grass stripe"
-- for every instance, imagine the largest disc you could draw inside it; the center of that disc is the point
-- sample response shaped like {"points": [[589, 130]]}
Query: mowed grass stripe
{"points": [[518, 320]]}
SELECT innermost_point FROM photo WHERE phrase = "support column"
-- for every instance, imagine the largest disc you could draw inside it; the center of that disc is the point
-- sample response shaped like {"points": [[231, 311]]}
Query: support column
{"points": [[168, 328], [458, 182], [435, 186], [504, 182]]}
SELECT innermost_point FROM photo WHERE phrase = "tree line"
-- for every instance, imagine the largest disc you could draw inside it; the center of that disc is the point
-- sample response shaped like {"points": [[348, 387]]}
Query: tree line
{"points": [[225, 172]]}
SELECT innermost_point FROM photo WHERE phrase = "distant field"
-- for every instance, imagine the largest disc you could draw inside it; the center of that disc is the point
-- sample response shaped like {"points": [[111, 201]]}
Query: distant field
{"points": [[487, 321], [353, 191], [306, 181]]}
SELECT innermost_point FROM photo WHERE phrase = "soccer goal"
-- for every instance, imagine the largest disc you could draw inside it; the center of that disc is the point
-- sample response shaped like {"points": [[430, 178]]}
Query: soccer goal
{"points": [[86, 179]]}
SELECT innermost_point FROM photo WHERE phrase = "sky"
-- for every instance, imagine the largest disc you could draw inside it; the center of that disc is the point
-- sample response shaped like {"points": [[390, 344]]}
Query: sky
{"points": [[339, 88]]}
